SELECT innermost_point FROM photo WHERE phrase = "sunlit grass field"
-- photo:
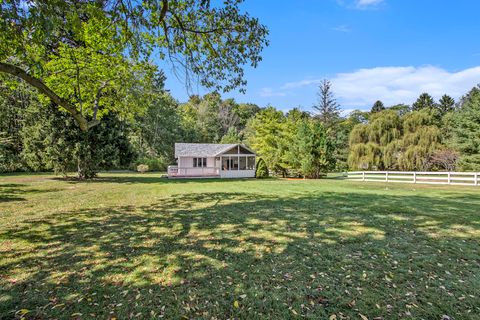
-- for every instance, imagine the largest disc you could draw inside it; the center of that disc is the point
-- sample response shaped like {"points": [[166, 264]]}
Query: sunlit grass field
{"points": [[142, 247]]}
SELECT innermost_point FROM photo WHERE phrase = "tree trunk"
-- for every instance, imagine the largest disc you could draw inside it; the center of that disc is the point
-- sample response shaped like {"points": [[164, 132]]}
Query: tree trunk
{"points": [[86, 166]]}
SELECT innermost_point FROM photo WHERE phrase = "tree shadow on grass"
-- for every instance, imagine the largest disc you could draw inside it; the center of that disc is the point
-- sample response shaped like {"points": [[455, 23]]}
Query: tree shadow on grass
{"points": [[10, 192], [194, 255], [146, 179]]}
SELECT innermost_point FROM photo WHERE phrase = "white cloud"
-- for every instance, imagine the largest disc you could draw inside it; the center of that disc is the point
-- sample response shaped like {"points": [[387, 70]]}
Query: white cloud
{"points": [[341, 28], [392, 85], [299, 84], [367, 3], [269, 92], [401, 84], [360, 4], [346, 112]]}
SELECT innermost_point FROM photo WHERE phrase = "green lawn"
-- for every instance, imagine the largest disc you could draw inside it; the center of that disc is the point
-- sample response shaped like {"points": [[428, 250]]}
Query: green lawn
{"points": [[138, 246]]}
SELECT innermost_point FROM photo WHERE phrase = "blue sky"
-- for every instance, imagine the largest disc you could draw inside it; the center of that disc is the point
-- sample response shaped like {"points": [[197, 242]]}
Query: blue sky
{"points": [[391, 50]]}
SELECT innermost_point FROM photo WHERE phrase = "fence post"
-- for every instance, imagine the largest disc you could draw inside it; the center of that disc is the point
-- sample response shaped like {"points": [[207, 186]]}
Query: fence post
{"points": [[386, 176], [449, 178], [363, 175], [414, 177], [476, 179]]}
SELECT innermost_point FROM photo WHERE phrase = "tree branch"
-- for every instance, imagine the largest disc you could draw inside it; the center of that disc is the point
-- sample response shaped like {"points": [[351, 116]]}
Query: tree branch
{"points": [[97, 100], [186, 29], [163, 13], [42, 88]]}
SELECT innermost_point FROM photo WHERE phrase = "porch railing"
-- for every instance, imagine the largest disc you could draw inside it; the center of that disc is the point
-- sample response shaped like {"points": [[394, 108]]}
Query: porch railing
{"points": [[175, 171]]}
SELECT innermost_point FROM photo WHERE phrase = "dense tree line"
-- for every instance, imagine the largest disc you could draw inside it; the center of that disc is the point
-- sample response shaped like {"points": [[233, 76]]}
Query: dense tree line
{"points": [[294, 143], [429, 135], [37, 135], [78, 91]]}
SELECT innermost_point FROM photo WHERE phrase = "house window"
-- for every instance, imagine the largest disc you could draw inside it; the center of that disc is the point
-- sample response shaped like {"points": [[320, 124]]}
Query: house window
{"points": [[199, 162]]}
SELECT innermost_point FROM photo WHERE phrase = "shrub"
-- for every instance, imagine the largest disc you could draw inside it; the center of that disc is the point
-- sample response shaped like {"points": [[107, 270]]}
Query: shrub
{"points": [[262, 170], [154, 164], [142, 168]]}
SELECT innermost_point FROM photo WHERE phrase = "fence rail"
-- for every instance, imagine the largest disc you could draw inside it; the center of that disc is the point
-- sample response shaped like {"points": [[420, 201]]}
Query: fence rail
{"points": [[449, 178]]}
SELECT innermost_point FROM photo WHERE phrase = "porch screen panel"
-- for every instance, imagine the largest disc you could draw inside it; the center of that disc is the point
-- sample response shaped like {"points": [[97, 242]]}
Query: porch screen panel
{"points": [[234, 163], [250, 163], [243, 163], [225, 163]]}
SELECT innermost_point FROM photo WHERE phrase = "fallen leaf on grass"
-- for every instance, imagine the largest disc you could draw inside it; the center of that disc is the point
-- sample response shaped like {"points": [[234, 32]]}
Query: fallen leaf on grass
{"points": [[362, 316], [236, 304], [23, 311]]}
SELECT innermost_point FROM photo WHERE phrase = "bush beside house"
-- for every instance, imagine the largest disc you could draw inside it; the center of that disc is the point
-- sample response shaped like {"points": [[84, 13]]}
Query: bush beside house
{"points": [[261, 170]]}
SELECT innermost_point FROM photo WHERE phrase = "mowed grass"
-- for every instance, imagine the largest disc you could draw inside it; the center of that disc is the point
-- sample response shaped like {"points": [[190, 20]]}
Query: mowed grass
{"points": [[139, 247]]}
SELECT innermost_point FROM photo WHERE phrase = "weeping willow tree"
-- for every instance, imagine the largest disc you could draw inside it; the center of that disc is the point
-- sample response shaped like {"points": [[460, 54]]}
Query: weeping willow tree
{"points": [[365, 156], [393, 142], [369, 142], [420, 140], [384, 128]]}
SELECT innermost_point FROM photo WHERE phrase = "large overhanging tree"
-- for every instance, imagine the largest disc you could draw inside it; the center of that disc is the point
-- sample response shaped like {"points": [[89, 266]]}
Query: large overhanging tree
{"points": [[92, 57]]}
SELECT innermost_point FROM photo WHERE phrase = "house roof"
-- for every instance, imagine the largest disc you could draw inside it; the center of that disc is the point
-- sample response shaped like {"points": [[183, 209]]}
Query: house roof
{"points": [[202, 149]]}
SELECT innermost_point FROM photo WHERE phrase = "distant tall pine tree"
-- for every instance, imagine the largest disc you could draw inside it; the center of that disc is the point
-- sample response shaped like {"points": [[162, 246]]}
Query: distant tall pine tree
{"points": [[327, 109], [377, 107], [445, 104], [424, 101]]}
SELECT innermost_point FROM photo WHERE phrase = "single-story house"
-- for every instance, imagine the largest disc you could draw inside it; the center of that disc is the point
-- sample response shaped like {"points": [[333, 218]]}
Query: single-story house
{"points": [[213, 160]]}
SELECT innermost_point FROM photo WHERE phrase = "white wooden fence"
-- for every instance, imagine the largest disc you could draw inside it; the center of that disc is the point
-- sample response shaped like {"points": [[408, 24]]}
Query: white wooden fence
{"points": [[450, 178]]}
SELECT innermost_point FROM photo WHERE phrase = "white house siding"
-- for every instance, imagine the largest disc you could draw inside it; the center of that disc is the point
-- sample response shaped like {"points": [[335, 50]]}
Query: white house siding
{"points": [[224, 160], [237, 173], [185, 167], [185, 162]]}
